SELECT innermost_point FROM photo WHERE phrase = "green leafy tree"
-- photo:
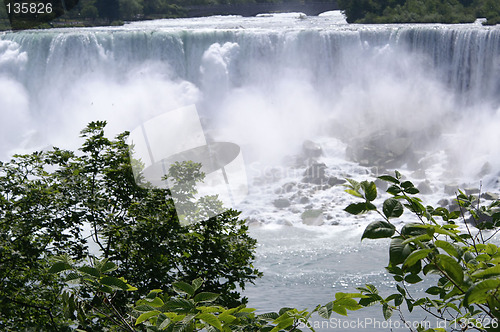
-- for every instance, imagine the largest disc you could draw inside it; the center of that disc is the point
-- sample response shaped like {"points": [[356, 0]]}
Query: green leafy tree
{"points": [[130, 9], [59, 202], [108, 9], [419, 11]]}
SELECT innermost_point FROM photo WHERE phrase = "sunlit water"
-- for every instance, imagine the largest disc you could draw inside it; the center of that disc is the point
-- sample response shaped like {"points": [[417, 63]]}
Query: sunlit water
{"points": [[268, 83]]}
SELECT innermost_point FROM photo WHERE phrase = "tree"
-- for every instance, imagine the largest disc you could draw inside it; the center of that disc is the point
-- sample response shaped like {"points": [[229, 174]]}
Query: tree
{"points": [[108, 9], [90, 12], [50, 200], [130, 9]]}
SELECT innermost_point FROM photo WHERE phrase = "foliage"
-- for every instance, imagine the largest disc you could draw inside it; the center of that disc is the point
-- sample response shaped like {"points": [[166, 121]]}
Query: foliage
{"points": [[53, 202], [93, 292], [112, 10], [90, 302], [420, 11], [466, 262]]}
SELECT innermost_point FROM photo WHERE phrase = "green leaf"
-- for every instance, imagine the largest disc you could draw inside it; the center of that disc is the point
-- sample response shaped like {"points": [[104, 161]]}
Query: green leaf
{"points": [[394, 190], [348, 303], [398, 251], [59, 267], [179, 305], [153, 293], [205, 297], [283, 324], [164, 324], [269, 316], [416, 256], [392, 208], [370, 190], [146, 316], [156, 302], [389, 178], [197, 283], [353, 184], [354, 193], [378, 230], [108, 267], [340, 310], [430, 268], [284, 310], [412, 191], [90, 271], [413, 229], [448, 247], [435, 290], [489, 272], [369, 300], [114, 283], [323, 312], [72, 277], [211, 320], [360, 208], [451, 267], [413, 278], [387, 311], [479, 292], [181, 288]]}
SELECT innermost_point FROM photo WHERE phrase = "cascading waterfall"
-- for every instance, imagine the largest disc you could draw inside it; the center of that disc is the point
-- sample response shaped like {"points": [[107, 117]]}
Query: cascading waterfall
{"points": [[136, 72], [267, 84]]}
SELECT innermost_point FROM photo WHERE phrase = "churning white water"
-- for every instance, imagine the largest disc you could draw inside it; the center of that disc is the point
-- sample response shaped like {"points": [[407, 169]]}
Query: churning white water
{"points": [[268, 84]]}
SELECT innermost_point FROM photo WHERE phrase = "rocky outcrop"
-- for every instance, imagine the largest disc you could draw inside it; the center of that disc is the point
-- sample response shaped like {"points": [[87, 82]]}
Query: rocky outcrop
{"points": [[312, 217], [311, 149], [315, 174]]}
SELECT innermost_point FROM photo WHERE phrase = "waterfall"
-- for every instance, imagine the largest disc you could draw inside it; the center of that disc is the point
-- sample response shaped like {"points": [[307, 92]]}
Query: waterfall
{"points": [[284, 82]]}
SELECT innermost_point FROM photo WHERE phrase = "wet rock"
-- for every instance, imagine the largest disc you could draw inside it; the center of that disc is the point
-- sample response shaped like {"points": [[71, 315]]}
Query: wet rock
{"points": [[281, 203], [288, 187], [419, 174], [443, 202], [311, 149], [485, 170], [378, 170], [304, 200], [312, 217], [382, 149], [490, 196], [482, 218], [472, 191], [451, 189], [334, 181], [425, 188], [315, 174], [399, 146], [381, 185], [254, 223]]}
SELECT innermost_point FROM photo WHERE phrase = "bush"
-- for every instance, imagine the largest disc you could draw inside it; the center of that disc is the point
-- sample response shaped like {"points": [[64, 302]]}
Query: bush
{"points": [[466, 262]]}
